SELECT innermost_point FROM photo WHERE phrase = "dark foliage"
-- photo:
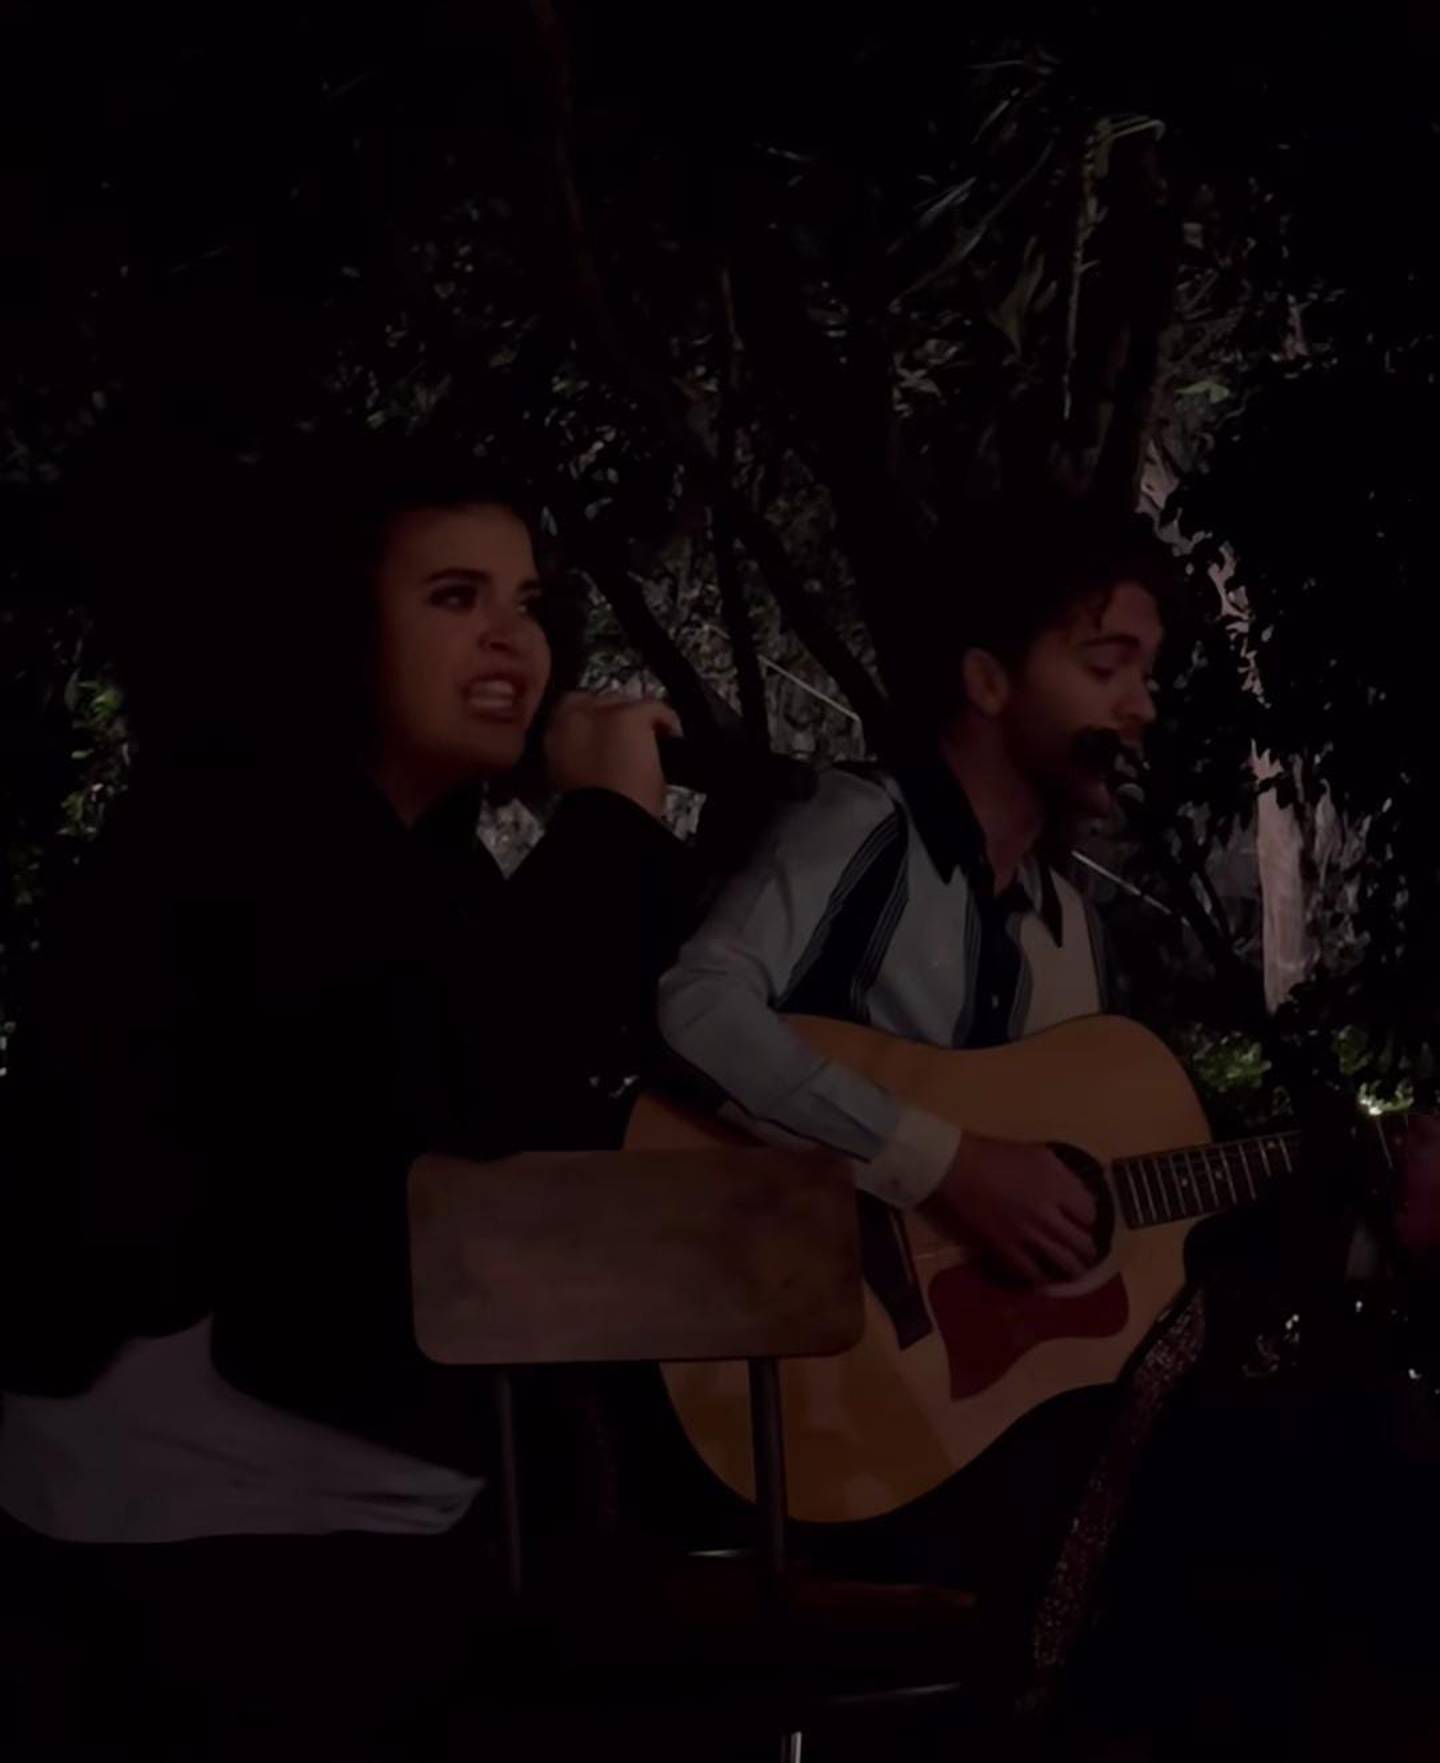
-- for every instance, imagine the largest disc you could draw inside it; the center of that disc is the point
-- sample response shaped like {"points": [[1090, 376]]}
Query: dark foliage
{"points": [[761, 297]]}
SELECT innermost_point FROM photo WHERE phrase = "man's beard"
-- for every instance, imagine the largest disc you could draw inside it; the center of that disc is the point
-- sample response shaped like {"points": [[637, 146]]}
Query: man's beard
{"points": [[1071, 771], [1099, 752], [1081, 783]]}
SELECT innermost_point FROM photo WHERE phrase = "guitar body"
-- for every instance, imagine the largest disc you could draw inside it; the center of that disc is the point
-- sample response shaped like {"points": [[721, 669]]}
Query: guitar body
{"points": [[872, 1429]]}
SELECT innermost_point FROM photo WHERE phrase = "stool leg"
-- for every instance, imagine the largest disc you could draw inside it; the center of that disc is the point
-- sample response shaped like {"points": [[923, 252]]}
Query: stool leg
{"points": [[509, 1483], [767, 1435]]}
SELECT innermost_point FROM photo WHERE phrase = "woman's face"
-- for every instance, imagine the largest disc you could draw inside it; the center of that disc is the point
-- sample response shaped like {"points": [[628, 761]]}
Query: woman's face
{"points": [[462, 662]]}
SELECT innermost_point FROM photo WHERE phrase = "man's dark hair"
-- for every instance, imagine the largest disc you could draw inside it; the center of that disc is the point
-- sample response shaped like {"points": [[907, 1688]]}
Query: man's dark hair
{"points": [[1001, 573], [239, 596]]}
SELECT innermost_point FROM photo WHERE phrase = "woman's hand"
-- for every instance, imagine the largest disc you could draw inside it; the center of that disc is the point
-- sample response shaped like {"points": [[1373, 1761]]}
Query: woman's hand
{"points": [[610, 743]]}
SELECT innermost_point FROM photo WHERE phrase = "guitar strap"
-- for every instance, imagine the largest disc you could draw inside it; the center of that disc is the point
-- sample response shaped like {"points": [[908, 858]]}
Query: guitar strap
{"points": [[889, 1270]]}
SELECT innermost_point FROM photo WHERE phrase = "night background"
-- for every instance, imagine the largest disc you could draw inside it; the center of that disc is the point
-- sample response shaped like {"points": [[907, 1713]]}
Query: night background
{"points": [[760, 297], [761, 302]]}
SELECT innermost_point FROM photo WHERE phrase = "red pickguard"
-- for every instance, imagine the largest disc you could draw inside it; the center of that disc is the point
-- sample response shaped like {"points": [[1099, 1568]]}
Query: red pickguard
{"points": [[987, 1326]]}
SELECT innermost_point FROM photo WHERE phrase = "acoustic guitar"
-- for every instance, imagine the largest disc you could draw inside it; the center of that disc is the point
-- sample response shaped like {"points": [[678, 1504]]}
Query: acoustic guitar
{"points": [[872, 1429]]}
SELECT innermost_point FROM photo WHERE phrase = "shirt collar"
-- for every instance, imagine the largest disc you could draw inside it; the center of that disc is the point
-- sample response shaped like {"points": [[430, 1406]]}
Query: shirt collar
{"points": [[955, 840]]}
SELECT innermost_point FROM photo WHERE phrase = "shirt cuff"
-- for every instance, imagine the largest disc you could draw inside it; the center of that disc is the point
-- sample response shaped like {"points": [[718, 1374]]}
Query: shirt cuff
{"points": [[914, 1163]]}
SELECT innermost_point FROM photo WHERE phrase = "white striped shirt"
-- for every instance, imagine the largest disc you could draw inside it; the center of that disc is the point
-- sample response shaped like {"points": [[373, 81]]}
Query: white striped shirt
{"points": [[873, 903]]}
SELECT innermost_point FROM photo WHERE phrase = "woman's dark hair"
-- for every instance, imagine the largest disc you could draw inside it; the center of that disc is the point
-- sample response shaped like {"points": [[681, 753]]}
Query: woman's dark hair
{"points": [[1001, 573], [238, 596]]}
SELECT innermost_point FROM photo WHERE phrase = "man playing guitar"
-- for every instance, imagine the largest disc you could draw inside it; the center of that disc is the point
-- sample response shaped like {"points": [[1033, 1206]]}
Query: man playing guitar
{"points": [[918, 901]]}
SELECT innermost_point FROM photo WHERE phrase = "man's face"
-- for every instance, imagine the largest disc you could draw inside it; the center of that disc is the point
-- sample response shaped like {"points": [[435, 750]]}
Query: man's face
{"points": [[462, 663], [1090, 674]]}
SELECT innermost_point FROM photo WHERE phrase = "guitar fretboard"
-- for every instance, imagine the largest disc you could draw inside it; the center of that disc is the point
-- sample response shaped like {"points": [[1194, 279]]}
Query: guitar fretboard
{"points": [[1201, 1179], [1204, 1179]]}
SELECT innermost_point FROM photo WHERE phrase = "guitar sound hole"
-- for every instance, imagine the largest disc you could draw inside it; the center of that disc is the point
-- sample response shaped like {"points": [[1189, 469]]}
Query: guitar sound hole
{"points": [[1093, 1176]]}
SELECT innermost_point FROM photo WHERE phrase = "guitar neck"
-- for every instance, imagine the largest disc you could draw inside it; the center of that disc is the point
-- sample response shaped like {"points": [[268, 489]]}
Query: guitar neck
{"points": [[1200, 1180]]}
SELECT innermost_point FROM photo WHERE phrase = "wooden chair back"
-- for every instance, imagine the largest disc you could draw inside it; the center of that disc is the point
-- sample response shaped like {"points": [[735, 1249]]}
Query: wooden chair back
{"points": [[561, 1258], [553, 1258]]}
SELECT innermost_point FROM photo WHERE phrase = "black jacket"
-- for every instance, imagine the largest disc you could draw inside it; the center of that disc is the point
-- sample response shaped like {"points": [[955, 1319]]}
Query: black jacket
{"points": [[262, 999]]}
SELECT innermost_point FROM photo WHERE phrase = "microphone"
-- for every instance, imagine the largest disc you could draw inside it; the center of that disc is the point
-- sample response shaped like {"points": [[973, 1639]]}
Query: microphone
{"points": [[691, 765], [1101, 752]]}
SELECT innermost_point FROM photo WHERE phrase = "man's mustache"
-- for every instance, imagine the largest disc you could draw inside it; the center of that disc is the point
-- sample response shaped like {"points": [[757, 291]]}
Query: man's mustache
{"points": [[1099, 751]]}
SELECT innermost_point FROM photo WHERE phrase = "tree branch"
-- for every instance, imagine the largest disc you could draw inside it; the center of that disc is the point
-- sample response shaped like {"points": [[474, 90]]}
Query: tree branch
{"points": [[845, 434], [658, 396], [754, 709], [1114, 368], [802, 609], [692, 698], [1153, 271], [601, 554]]}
